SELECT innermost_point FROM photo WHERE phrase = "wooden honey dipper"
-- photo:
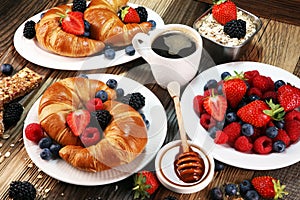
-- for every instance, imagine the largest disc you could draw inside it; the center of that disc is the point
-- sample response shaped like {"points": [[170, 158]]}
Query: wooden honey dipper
{"points": [[189, 166]]}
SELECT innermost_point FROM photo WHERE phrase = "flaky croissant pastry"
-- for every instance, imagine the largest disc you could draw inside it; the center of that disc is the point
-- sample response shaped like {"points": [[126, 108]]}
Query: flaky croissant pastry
{"points": [[52, 37], [106, 26]]}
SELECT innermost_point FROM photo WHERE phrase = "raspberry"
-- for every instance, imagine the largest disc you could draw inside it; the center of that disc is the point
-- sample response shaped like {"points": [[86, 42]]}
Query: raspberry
{"points": [[292, 115], [207, 121], [19, 190], [262, 145], [221, 137], [34, 132], [262, 83], [235, 28], [12, 113], [249, 75], [257, 133], [94, 104], [254, 91], [90, 136], [267, 96], [198, 104], [243, 144], [135, 100], [292, 128], [143, 14], [79, 5], [29, 29], [283, 136], [233, 130]]}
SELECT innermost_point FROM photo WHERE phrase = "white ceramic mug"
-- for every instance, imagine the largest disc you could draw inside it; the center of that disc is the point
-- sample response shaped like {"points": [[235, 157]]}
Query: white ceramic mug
{"points": [[165, 69]]}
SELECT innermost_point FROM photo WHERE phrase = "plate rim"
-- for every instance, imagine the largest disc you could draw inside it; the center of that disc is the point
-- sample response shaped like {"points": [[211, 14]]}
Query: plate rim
{"points": [[219, 152], [122, 174]]}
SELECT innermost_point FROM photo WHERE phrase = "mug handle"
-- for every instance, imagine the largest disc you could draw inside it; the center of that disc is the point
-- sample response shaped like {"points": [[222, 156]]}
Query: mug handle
{"points": [[141, 43]]}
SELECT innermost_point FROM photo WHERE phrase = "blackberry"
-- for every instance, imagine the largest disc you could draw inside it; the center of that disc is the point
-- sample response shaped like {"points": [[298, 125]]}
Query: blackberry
{"points": [[79, 5], [12, 113], [235, 28], [135, 100], [19, 190], [143, 14], [103, 118], [29, 29]]}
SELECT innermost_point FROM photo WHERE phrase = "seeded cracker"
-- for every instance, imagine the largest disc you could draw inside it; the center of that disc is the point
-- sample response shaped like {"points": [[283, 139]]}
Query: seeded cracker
{"points": [[16, 86]]}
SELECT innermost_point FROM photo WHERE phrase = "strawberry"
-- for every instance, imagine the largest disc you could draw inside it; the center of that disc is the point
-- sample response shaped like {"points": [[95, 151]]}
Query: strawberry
{"points": [[292, 128], [224, 11], [129, 15], [268, 187], [234, 89], [216, 106], [94, 104], [289, 97], [73, 23], [258, 113], [145, 184], [198, 104], [34, 132], [78, 121]]}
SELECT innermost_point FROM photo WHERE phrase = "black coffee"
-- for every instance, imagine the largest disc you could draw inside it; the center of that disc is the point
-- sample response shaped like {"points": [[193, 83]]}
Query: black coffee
{"points": [[174, 45]]}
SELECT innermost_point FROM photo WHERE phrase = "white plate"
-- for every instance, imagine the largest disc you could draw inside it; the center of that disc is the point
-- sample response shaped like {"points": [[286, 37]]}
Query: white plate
{"points": [[61, 170], [33, 52], [224, 153]]}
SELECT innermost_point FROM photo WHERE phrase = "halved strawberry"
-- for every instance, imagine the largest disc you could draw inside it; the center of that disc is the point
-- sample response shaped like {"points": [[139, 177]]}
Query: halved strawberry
{"points": [[289, 97], [73, 23], [129, 15], [216, 106], [78, 121]]}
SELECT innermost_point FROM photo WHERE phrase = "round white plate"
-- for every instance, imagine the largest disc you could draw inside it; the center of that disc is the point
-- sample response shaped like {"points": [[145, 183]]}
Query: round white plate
{"points": [[225, 153], [61, 170], [33, 52]]}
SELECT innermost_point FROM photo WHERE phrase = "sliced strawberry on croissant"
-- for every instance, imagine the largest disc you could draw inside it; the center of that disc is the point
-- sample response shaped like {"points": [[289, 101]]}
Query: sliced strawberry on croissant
{"points": [[73, 23], [78, 121]]}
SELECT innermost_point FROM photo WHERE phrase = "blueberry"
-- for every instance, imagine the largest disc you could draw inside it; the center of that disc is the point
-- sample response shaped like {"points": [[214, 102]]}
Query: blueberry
{"points": [[252, 195], [230, 189], [278, 84], [224, 75], [216, 194], [109, 53], [272, 132], [87, 26], [247, 129], [112, 83], [86, 34], [101, 94], [279, 146], [245, 186], [129, 50], [231, 117], [7, 69], [120, 92], [153, 23], [212, 83], [279, 124], [219, 166], [54, 148], [42, 15], [83, 76], [45, 143], [46, 154]]}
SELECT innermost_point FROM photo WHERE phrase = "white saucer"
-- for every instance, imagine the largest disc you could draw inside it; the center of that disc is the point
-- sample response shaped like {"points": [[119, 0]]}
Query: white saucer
{"points": [[164, 167]]}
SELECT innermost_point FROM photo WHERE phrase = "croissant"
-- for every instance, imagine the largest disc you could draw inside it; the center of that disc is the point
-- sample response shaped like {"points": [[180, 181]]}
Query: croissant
{"points": [[61, 98], [52, 37], [124, 139], [106, 26]]}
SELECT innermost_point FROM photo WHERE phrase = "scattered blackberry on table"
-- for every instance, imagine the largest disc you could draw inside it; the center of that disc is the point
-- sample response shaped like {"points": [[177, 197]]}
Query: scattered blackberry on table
{"points": [[235, 28], [7, 69], [103, 117], [79, 5], [19, 190], [135, 100], [12, 113], [143, 14], [29, 30]]}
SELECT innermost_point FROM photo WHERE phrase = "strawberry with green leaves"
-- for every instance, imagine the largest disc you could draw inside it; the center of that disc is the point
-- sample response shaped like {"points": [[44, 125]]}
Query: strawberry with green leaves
{"points": [[268, 187], [78, 121], [216, 106], [129, 15], [259, 113], [145, 184], [224, 11], [289, 97], [73, 22]]}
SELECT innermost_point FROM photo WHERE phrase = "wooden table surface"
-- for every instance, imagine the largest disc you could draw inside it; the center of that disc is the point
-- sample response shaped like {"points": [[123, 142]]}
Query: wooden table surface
{"points": [[277, 44]]}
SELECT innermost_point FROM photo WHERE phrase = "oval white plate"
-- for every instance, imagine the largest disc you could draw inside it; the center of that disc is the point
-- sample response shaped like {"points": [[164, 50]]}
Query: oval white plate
{"points": [[224, 153], [62, 171], [31, 51]]}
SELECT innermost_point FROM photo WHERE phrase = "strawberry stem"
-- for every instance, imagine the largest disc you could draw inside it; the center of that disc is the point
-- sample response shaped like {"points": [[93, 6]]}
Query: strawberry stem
{"points": [[276, 113], [237, 75], [279, 189]]}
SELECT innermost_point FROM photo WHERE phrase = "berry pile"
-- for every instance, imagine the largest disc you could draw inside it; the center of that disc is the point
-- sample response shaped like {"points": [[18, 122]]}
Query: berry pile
{"points": [[235, 28], [19, 190], [265, 187], [12, 113], [29, 29], [250, 112]]}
